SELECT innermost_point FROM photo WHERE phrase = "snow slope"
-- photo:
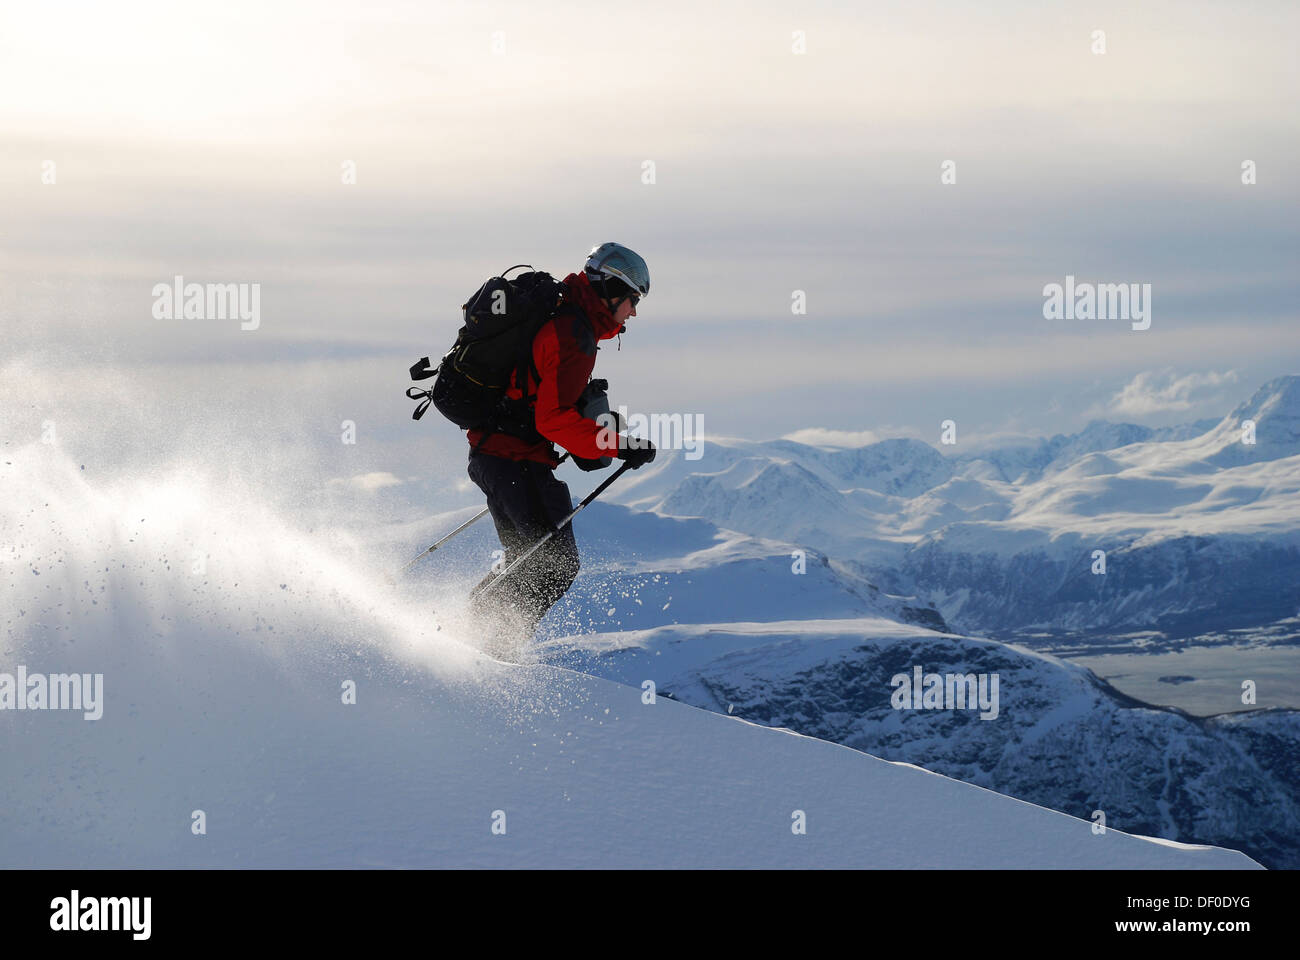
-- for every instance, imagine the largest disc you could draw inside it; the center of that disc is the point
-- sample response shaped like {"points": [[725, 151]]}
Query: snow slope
{"points": [[1061, 737], [225, 632]]}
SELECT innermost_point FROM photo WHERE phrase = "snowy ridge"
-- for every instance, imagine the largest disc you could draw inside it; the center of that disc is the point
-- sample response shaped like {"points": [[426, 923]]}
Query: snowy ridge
{"points": [[1025, 462], [1062, 738]]}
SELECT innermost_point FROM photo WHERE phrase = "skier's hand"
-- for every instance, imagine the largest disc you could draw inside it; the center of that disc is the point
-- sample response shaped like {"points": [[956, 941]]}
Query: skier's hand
{"points": [[635, 451]]}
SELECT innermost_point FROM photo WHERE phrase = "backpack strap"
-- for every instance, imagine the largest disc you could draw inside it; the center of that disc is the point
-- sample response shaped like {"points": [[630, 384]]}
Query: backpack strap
{"points": [[424, 396], [574, 309]]}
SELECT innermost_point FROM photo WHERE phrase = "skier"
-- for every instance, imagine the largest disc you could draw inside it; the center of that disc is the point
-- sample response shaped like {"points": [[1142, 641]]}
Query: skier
{"points": [[516, 472]]}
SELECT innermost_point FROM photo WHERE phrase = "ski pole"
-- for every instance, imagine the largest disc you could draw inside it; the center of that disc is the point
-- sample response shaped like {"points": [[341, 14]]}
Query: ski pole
{"points": [[476, 517], [414, 560], [481, 589]]}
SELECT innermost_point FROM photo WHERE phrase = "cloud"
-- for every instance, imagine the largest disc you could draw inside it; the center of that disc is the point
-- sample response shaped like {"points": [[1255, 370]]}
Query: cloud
{"points": [[1162, 391], [822, 437], [368, 482]]}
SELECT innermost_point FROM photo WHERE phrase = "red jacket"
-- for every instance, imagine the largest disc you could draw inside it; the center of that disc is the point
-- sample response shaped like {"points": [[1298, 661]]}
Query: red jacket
{"points": [[564, 353]]}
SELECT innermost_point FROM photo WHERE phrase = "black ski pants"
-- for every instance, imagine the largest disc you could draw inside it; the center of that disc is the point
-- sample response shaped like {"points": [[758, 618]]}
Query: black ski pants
{"points": [[527, 502]]}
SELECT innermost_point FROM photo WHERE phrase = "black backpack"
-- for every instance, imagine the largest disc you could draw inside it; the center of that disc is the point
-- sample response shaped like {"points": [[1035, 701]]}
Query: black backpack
{"points": [[495, 342]]}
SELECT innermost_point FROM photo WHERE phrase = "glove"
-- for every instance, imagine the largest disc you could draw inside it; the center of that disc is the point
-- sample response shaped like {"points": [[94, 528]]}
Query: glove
{"points": [[642, 452], [589, 465]]}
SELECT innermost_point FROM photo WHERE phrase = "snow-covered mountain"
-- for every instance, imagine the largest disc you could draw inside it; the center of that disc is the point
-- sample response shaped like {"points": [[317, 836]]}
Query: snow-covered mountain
{"points": [[1199, 534], [1199, 528], [229, 641], [1022, 462]]}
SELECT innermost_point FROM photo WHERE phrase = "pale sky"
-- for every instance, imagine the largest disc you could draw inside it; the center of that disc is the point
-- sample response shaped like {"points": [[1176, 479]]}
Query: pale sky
{"points": [[208, 140]]}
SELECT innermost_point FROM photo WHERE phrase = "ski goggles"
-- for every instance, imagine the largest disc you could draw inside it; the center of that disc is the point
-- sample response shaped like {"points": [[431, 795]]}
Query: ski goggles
{"points": [[639, 292]]}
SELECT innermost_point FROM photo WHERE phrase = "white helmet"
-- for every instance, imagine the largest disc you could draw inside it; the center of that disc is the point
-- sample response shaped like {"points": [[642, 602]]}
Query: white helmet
{"points": [[617, 261]]}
